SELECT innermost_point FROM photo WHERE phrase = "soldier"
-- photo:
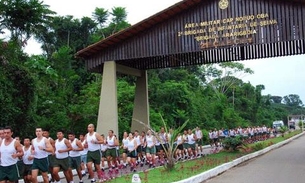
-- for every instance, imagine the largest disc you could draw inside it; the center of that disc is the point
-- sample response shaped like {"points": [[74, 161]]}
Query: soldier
{"points": [[62, 148], [40, 148], [10, 151], [75, 156], [27, 159], [93, 142]]}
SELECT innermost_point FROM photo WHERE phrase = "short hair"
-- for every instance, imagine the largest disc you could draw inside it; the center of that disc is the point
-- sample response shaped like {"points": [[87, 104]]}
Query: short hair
{"points": [[8, 128], [26, 137], [71, 133], [39, 128], [61, 130]]}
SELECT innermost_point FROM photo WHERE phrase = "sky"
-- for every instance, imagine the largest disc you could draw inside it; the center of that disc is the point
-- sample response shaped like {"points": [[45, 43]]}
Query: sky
{"points": [[281, 75]]}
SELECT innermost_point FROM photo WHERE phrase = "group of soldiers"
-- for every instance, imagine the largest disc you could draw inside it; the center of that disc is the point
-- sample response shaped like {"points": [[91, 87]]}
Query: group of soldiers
{"points": [[248, 134], [88, 153], [43, 155]]}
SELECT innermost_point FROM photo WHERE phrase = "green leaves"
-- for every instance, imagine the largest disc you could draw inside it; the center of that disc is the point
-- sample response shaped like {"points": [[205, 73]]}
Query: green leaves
{"points": [[23, 18]]}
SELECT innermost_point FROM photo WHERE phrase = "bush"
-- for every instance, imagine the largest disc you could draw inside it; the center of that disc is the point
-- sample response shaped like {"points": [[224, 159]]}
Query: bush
{"points": [[232, 143], [258, 146]]}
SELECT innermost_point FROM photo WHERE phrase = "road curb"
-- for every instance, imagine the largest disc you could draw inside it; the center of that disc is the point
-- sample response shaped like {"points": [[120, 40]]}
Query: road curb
{"points": [[226, 166]]}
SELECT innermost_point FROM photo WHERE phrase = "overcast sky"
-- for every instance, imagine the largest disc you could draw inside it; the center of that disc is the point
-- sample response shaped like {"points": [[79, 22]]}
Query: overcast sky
{"points": [[281, 76]]}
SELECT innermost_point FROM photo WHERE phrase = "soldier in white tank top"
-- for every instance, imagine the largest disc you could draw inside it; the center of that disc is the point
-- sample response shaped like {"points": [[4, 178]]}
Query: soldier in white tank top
{"points": [[27, 159], [83, 153], [75, 155], [10, 151], [6, 152], [40, 147], [93, 142], [62, 148]]}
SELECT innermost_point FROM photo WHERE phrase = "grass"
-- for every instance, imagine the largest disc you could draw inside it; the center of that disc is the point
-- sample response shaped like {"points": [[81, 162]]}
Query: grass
{"points": [[187, 169]]}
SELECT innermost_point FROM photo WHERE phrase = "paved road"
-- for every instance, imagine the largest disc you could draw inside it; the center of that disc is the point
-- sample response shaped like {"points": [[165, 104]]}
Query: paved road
{"points": [[283, 165]]}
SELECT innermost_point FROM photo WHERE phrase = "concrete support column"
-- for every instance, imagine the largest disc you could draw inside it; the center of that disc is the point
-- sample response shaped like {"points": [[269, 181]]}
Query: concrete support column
{"points": [[141, 105], [108, 108]]}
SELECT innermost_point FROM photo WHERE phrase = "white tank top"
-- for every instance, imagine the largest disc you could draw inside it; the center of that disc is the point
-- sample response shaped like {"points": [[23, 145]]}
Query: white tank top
{"points": [[198, 134], [137, 138], [125, 142], [104, 147], [6, 153], [179, 140], [85, 150], [39, 154], [191, 139], [157, 142], [131, 145], [25, 157], [162, 137], [74, 146], [110, 142], [91, 146], [150, 140], [60, 145]]}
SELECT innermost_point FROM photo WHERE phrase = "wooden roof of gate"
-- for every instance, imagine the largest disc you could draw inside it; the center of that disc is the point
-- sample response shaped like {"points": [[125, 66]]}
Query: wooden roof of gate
{"points": [[165, 39]]}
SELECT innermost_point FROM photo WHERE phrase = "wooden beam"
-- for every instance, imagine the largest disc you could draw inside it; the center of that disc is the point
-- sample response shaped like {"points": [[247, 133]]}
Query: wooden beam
{"points": [[128, 70]]}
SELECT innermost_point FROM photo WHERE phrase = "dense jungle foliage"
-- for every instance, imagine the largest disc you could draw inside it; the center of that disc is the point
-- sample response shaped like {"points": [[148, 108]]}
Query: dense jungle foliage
{"points": [[54, 90]]}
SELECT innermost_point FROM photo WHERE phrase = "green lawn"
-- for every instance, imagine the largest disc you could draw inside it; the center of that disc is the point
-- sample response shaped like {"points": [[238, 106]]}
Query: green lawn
{"points": [[190, 168]]}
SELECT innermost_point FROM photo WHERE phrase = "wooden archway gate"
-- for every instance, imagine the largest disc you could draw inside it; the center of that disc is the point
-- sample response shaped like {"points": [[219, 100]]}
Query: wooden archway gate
{"points": [[192, 32]]}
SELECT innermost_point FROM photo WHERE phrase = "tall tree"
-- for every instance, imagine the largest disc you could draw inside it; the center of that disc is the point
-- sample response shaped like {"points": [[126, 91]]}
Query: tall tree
{"points": [[292, 100], [23, 18], [222, 77]]}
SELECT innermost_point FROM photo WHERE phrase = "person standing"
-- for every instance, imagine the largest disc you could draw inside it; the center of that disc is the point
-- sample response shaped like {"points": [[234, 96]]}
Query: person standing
{"points": [[83, 154], [51, 155], [191, 140], [40, 148], [124, 147], [20, 164], [132, 152], [93, 142], [27, 159], [10, 151], [179, 149], [138, 138], [75, 157], [104, 148], [199, 143], [150, 149], [111, 154], [163, 138], [62, 148]]}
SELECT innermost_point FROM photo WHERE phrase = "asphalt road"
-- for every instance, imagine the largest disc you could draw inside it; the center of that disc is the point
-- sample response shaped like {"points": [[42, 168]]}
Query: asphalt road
{"points": [[283, 165]]}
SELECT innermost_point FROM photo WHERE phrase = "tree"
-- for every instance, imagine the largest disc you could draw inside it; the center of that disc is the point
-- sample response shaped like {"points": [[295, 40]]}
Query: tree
{"points": [[116, 23], [221, 77], [292, 100], [100, 15], [276, 99], [17, 89], [23, 18]]}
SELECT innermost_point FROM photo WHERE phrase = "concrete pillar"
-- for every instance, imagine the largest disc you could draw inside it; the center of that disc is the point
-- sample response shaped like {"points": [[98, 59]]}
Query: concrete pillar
{"points": [[141, 105], [108, 108]]}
